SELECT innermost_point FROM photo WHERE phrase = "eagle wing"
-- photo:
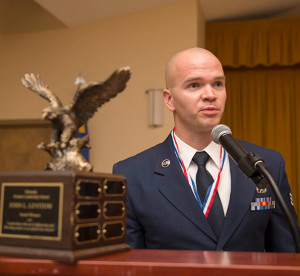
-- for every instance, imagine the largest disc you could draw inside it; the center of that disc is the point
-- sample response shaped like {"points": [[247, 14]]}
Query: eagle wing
{"points": [[90, 97], [35, 84]]}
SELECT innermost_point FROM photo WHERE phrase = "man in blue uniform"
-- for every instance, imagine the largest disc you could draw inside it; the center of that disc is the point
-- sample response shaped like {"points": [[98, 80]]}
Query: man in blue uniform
{"points": [[171, 206]]}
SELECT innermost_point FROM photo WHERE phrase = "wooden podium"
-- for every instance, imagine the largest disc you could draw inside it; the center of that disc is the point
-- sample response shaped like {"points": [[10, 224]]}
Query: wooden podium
{"points": [[162, 262]]}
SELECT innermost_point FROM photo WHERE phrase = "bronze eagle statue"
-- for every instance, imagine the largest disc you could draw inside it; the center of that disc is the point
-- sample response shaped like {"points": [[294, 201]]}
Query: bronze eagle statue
{"points": [[64, 144]]}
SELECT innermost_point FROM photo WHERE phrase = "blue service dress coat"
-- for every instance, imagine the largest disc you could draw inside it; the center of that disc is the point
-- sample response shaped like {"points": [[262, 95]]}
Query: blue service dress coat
{"points": [[162, 212]]}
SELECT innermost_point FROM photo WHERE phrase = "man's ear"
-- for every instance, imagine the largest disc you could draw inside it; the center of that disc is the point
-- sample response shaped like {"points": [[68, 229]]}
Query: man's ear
{"points": [[168, 98]]}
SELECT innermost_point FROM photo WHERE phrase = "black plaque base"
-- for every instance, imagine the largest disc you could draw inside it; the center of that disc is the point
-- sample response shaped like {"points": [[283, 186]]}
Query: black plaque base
{"points": [[63, 216]]}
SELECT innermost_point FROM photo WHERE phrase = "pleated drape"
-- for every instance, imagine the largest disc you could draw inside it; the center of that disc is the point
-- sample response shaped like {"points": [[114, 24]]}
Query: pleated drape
{"points": [[255, 42]]}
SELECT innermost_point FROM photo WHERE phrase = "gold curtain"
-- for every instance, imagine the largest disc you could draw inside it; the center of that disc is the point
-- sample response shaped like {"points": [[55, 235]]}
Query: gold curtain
{"points": [[262, 80], [255, 42]]}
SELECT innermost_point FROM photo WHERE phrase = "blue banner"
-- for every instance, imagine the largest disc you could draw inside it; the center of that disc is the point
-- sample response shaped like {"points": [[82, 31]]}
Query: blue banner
{"points": [[83, 131]]}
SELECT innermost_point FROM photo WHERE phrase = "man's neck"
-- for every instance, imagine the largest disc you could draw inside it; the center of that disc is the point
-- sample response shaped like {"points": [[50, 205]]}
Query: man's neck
{"points": [[197, 141]]}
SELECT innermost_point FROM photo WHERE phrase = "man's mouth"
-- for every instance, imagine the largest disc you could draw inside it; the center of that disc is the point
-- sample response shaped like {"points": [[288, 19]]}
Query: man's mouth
{"points": [[209, 110]]}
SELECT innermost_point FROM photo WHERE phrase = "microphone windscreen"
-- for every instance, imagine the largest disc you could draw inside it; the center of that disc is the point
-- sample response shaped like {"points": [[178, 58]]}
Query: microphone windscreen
{"points": [[218, 131]]}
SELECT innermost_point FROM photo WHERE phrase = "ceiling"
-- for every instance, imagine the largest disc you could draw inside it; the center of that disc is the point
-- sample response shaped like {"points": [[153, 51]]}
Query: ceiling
{"points": [[18, 16], [76, 12]]}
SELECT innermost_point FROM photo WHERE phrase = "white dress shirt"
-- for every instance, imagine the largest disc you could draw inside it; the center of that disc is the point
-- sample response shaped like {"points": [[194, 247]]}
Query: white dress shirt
{"points": [[213, 164]]}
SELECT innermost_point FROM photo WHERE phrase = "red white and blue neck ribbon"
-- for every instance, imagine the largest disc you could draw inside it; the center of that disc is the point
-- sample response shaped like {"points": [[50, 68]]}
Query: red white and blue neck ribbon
{"points": [[212, 190]]}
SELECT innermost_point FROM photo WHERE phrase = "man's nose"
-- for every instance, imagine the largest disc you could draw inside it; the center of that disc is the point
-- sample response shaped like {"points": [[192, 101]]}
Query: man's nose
{"points": [[208, 93]]}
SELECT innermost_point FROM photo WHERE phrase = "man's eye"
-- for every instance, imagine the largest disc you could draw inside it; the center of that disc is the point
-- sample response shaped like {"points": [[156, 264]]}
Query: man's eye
{"points": [[218, 84], [194, 85]]}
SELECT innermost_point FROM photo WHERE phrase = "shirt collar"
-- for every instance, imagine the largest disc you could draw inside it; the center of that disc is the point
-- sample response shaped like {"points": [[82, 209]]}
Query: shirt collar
{"points": [[187, 152]]}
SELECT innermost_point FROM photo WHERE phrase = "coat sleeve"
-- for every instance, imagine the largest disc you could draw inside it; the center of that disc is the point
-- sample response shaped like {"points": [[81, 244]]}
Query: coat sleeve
{"points": [[279, 236], [135, 234]]}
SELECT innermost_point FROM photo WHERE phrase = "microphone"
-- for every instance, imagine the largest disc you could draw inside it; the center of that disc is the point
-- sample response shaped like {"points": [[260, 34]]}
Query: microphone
{"points": [[246, 161], [221, 134]]}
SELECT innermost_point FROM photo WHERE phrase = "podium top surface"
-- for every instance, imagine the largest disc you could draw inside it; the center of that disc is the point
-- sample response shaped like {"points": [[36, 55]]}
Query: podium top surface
{"points": [[161, 262]]}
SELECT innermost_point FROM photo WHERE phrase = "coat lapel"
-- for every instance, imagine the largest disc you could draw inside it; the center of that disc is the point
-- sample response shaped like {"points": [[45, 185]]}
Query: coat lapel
{"points": [[175, 188], [242, 192]]}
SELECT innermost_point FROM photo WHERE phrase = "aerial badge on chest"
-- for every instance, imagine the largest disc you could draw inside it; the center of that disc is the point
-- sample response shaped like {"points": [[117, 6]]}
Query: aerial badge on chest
{"points": [[64, 144]]}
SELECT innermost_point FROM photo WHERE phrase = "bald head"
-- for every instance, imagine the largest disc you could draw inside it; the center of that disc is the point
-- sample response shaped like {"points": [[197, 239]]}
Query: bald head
{"points": [[187, 59]]}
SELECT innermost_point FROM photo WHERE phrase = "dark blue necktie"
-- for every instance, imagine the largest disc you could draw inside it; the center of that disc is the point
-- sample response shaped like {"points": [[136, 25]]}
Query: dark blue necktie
{"points": [[203, 181]]}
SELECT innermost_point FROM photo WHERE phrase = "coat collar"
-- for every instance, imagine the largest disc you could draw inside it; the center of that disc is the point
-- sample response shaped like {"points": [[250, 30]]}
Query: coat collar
{"points": [[175, 188]]}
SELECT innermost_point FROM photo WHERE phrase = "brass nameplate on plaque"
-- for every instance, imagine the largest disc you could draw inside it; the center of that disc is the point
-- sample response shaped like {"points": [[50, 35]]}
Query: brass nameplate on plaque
{"points": [[31, 210]]}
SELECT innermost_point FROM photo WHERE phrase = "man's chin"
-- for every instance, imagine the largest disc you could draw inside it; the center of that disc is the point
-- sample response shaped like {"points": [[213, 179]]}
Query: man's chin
{"points": [[210, 125]]}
